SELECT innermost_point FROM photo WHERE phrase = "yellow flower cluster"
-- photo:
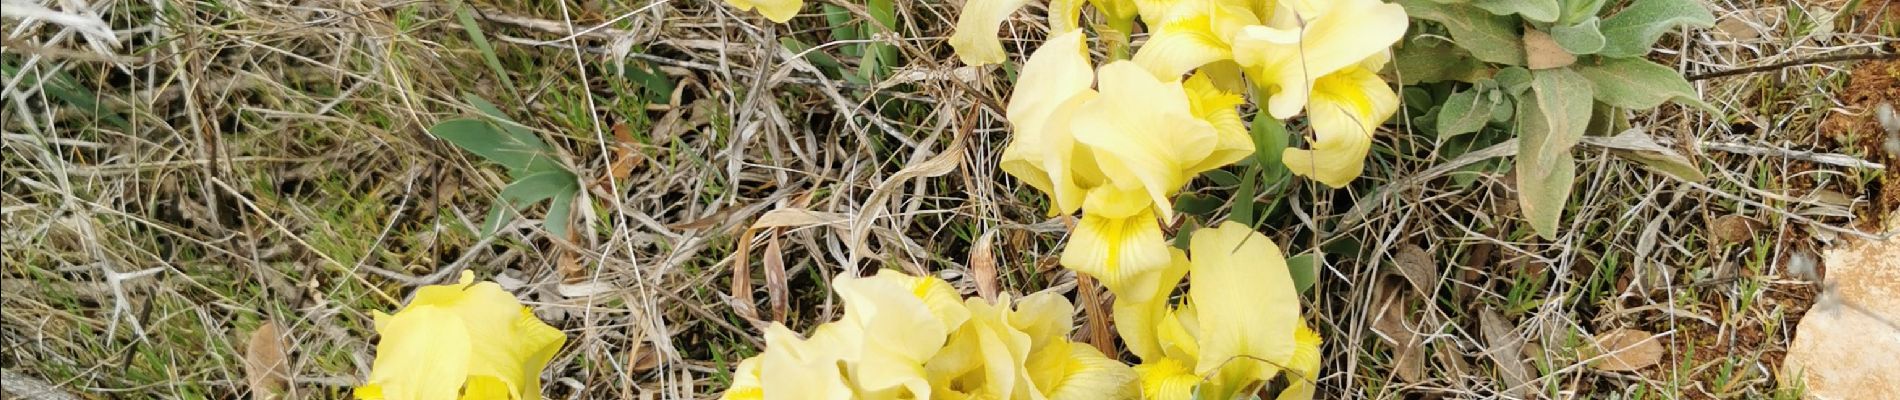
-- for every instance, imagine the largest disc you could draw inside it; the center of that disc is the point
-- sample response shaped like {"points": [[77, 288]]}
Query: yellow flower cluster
{"points": [[1317, 56], [462, 341], [905, 337], [1117, 142]]}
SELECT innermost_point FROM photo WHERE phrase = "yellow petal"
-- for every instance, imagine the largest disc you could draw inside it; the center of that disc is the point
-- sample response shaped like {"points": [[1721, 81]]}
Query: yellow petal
{"points": [[1304, 368], [1142, 303], [975, 39], [1143, 132], [1345, 109], [942, 299], [791, 368], [987, 356], [901, 332], [1042, 152], [1242, 273], [1045, 316], [1114, 202], [1064, 15], [1066, 370], [486, 388], [1166, 379], [1284, 60], [1195, 33], [745, 382], [424, 355], [514, 346], [1116, 251], [1179, 331], [776, 10], [1217, 107]]}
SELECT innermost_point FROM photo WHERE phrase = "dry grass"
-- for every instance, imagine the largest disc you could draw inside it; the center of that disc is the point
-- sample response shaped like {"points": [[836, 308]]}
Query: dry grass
{"points": [[255, 162]]}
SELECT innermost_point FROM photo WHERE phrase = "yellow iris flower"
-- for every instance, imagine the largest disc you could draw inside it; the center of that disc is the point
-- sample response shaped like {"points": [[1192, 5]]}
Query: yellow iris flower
{"points": [[1118, 154], [1242, 274], [776, 10], [462, 341], [906, 337], [1323, 57]]}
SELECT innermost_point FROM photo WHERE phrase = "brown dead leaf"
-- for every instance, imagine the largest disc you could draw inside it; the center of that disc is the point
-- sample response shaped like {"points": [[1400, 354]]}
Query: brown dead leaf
{"points": [[266, 367], [1627, 350], [640, 357], [1543, 52], [983, 266], [1408, 349], [1417, 267], [626, 156], [1506, 350], [1732, 229]]}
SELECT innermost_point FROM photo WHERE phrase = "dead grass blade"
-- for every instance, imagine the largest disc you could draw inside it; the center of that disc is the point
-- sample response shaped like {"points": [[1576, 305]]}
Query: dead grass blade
{"points": [[875, 204], [775, 286], [1095, 304]]}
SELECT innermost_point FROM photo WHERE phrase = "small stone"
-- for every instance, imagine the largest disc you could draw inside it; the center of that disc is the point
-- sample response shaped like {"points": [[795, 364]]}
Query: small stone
{"points": [[1845, 345]]}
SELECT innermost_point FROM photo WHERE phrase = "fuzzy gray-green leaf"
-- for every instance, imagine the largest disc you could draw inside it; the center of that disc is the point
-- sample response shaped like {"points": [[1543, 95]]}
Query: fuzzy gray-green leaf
{"points": [[1427, 59], [1581, 38], [1632, 31], [1551, 120], [1535, 10], [1465, 112], [1489, 37], [1637, 84]]}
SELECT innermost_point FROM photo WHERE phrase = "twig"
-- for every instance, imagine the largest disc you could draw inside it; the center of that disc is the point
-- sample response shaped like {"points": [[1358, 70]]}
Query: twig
{"points": [[1839, 160], [1795, 63]]}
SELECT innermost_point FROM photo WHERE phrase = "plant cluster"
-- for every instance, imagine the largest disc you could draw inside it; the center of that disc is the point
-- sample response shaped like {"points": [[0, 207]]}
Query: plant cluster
{"points": [[1547, 72], [1115, 139]]}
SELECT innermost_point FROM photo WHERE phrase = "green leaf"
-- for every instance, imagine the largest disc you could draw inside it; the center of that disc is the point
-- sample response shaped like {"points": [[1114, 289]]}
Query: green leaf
{"points": [[1197, 204], [1575, 11], [654, 85], [466, 17], [1243, 199], [1305, 272], [1427, 59], [1637, 84], [1550, 122], [1269, 142], [1514, 80], [515, 130], [61, 86], [1579, 38], [1632, 31], [483, 139], [1490, 37], [560, 211], [531, 189], [1535, 10], [823, 60], [1467, 111]]}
